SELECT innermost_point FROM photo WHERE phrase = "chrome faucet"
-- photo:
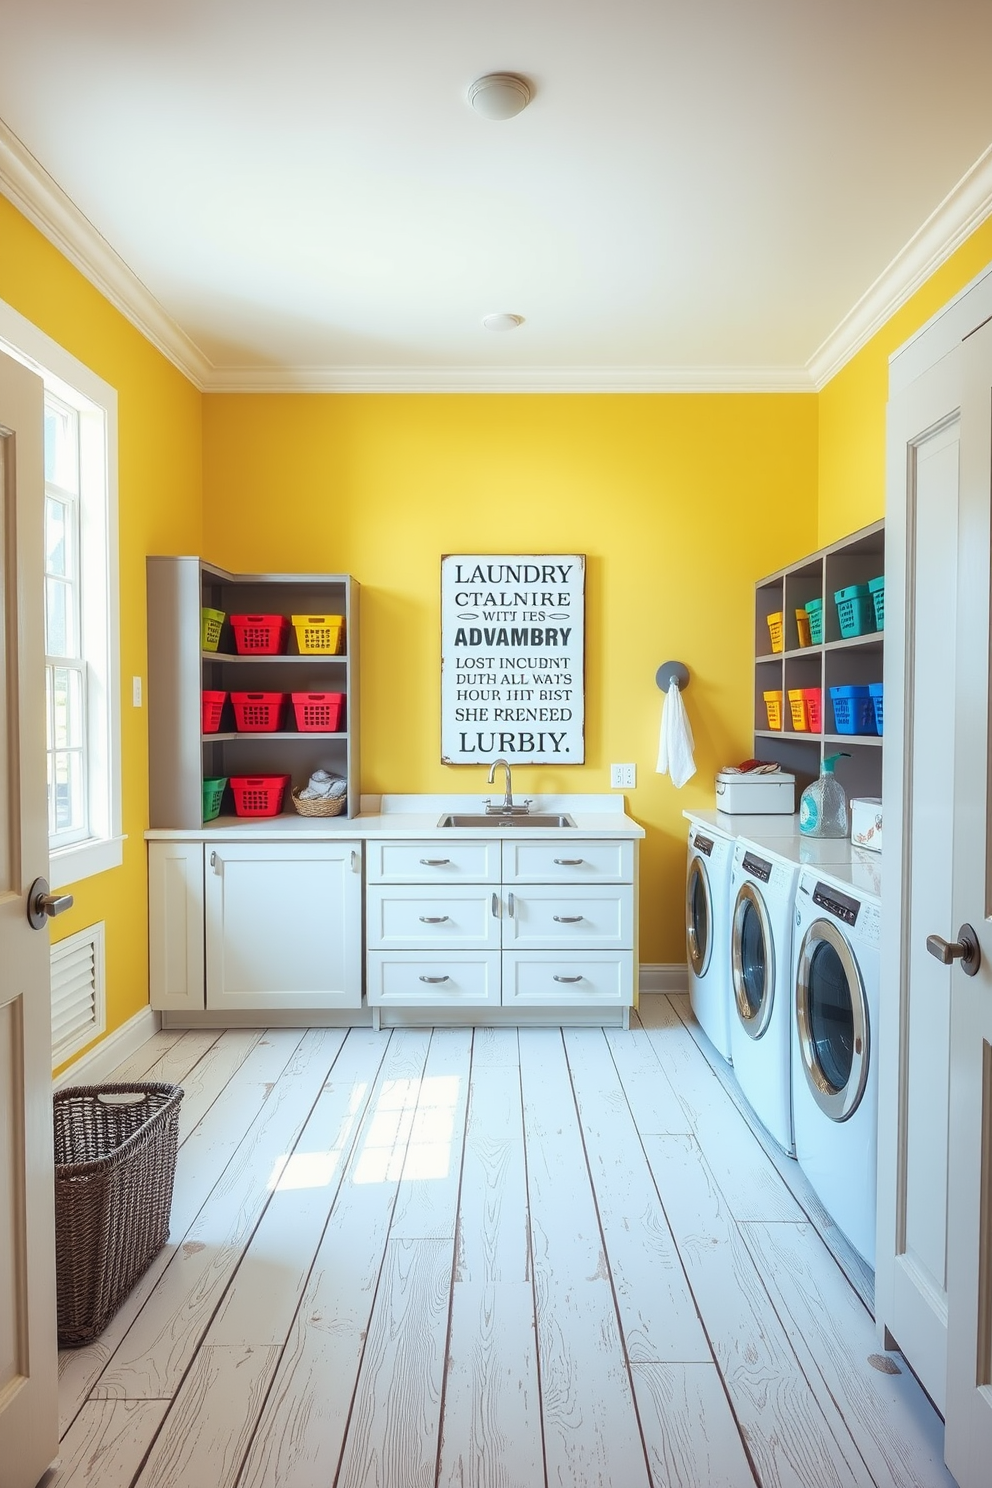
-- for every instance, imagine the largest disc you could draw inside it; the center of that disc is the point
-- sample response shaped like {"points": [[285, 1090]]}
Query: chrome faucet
{"points": [[507, 807]]}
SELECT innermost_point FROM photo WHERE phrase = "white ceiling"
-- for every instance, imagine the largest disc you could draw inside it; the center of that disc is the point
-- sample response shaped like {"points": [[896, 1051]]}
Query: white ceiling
{"points": [[698, 194]]}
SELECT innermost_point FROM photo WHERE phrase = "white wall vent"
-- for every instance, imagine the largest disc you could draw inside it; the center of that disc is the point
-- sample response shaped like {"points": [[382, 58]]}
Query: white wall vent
{"points": [[79, 1001]]}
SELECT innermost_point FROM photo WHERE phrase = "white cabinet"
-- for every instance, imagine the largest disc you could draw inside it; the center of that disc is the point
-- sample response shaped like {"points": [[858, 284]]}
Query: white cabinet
{"points": [[236, 926], [175, 925], [283, 925], [545, 923]]}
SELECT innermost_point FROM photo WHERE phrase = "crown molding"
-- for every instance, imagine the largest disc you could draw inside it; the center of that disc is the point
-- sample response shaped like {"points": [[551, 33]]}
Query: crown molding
{"points": [[26, 183], [965, 207], [509, 380]]}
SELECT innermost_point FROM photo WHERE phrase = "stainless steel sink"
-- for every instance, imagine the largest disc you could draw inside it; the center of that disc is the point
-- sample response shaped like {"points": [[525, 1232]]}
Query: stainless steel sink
{"points": [[533, 819]]}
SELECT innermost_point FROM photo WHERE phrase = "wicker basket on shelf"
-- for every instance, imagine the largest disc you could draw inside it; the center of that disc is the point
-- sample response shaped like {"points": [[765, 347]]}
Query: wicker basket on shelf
{"points": [[322, 806]]}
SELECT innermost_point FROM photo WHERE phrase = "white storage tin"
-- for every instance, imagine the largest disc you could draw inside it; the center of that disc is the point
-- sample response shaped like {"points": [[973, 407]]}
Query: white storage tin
{"points": [[773, 794], [866, 822]]}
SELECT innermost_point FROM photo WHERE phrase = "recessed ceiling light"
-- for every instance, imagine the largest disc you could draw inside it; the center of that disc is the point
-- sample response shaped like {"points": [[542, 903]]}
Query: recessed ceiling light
{"points": [[502, 322], [499, 95]]}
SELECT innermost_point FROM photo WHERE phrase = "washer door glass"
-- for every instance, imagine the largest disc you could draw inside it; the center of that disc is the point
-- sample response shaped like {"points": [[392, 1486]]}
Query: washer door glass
{"points": [[754, 965], [832, 1017], [753, 961], [697, 918]]}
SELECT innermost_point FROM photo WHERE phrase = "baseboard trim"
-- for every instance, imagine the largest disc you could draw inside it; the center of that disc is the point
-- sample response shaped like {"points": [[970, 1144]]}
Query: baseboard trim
{"points": [[97, 1063], [663, 977]]}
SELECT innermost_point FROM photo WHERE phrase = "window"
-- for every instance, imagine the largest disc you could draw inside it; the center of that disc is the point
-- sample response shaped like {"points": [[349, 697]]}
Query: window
{"points": [[81, 605]]}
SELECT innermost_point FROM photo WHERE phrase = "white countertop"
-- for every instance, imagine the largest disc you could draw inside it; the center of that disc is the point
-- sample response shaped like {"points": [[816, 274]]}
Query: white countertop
{"points": [[780, 835], [417, 816]]}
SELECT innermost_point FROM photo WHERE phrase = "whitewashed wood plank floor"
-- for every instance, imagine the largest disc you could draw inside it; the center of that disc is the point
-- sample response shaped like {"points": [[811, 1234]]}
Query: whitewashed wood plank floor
{"points": [[545, 1259]]}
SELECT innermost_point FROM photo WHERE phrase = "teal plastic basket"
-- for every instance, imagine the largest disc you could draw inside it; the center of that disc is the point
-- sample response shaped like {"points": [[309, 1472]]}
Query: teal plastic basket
{"points": [[855, 611], [877, 588], [815, 612]]}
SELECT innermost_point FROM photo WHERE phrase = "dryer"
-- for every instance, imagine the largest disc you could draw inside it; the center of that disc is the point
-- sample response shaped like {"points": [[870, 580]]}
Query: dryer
{"points": [[835, 1079], [707, 931], [763, 884]]}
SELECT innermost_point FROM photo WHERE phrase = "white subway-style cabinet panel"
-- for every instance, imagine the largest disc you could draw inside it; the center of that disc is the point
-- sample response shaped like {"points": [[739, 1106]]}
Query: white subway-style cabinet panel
{"points": [[464, 917], [568, 861], [433, 862], [542, 916], [442, 980], [283, 924], [175, 926], [568, 978]]}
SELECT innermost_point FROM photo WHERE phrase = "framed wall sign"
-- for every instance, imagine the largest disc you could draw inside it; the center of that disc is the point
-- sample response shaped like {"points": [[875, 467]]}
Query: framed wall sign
{"points": [[513, 658]]}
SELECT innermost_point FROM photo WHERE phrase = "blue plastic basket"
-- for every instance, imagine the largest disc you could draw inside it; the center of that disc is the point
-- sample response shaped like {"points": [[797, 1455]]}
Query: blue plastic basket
{"points": [[854, 710], [875, 688]]}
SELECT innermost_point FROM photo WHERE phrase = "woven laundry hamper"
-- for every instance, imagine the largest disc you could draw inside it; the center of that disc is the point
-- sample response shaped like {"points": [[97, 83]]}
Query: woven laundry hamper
{"points": [[115, 1164]]}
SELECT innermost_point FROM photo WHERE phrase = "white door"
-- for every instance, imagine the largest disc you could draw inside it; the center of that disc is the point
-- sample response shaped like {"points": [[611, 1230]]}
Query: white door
{"points": [[922, 551], [28, 1358], [284, 925], [968, 1445]]}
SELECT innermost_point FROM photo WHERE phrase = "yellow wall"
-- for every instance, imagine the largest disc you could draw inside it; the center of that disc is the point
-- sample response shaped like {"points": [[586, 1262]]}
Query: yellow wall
{"points": [[160, 511], [852, 405], [680, 503]]}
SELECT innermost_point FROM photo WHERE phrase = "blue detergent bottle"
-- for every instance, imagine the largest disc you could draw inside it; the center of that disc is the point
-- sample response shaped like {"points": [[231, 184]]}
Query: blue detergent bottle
{"points": [[823, 805]]}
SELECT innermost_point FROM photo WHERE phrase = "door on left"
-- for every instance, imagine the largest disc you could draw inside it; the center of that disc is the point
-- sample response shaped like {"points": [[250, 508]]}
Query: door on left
{"points": [[28, 1351]]}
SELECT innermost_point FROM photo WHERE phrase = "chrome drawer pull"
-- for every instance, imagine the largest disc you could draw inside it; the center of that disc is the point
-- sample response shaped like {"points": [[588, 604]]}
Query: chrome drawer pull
{"points": [[568, 862], [567, 979], [495, 906], [433, 919], [509, 904], [435, 862], [434, 980], [566, 919]]}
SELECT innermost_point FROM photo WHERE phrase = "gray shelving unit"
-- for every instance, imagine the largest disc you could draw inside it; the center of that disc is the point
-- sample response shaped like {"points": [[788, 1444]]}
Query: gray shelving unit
{"points": [[835, 663], [180, 755]]}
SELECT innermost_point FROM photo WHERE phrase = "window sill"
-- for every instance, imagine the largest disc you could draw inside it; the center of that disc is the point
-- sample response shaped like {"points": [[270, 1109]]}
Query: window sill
{"points": [[85, 859]]}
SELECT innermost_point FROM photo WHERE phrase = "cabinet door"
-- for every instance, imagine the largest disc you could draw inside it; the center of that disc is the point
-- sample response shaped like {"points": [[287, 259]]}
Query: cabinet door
{"points": [[460, 918], [175, 926], [543, 917], [283, 925]]}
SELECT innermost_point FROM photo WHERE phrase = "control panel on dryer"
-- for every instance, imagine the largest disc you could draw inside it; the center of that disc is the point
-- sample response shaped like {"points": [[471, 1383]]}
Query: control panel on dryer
{"points": [[825, 896]]}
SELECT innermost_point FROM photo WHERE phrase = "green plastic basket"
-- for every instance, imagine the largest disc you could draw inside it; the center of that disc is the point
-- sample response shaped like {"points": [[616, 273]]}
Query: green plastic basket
{"points": [[213, 794], [877, 590], [211, 622]]}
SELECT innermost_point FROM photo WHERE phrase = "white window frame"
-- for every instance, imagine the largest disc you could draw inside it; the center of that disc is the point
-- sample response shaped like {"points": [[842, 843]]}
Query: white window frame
{"points": [[96, 403]]}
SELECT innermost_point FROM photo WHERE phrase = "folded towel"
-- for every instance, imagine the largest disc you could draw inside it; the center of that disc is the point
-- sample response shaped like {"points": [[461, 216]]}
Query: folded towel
{"points": [[322, 786]]}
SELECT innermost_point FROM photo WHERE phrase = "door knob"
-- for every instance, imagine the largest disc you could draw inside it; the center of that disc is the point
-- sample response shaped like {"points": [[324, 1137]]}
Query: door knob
{"points": [[965, 949], [43, 905]]}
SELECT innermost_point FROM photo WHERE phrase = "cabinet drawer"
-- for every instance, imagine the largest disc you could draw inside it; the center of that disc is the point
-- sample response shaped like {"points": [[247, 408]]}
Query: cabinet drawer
{"points": [[459, 918], [568, 861], [550, 977], [432, 862], [413, 978], [542, 916]]}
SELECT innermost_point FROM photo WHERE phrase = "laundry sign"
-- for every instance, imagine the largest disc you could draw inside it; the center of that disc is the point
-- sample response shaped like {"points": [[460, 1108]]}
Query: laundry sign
{"points": [[513, 658]]}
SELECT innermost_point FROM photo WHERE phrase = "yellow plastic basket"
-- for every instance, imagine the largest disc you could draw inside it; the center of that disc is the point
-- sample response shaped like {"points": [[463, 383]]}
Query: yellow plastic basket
{"points": [[776, 631], [211, 624], [319, 634], [773, 707], [802, 628], [798, 706]]}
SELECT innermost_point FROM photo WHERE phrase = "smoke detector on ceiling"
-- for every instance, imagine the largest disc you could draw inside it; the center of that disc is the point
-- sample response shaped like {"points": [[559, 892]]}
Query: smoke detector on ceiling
{"points": [[502, 321], [499, 95]]}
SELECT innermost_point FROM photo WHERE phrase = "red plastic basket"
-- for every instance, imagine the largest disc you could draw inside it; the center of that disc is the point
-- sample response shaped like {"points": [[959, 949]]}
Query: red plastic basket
{"points": [[260, 635], [318, 712], [258, 712], [258, 795], [814, 707], [213, 707]]}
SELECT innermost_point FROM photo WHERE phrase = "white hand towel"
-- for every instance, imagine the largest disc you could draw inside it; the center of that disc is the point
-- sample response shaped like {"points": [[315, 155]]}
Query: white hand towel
{"points": [[675, 744]]}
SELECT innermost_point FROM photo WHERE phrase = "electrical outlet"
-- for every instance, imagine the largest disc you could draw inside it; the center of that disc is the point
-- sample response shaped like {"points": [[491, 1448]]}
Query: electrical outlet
{"points": [[623, 777]]}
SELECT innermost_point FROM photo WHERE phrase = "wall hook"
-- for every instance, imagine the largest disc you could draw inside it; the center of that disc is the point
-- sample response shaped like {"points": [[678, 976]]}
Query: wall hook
{"points": [[672, 671]]}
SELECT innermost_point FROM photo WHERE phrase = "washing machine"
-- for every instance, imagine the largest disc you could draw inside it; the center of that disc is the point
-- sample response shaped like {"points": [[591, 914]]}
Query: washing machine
{"points": [[707, 931], [834, 1068], [762, 888]]}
